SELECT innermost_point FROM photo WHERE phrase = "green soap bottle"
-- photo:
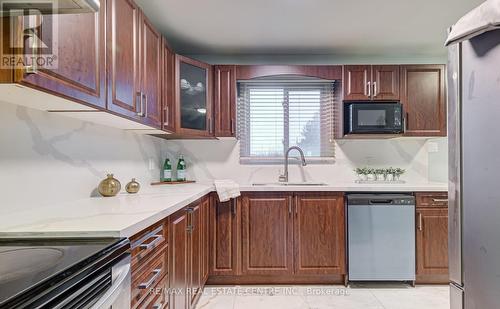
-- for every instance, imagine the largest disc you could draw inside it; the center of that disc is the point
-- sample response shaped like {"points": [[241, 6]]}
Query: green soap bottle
{"points": [[181, 169], [167, 171]]}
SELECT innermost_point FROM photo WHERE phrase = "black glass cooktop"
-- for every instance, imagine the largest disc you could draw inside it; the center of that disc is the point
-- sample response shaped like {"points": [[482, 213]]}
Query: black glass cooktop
{"points": [[27, 263]]}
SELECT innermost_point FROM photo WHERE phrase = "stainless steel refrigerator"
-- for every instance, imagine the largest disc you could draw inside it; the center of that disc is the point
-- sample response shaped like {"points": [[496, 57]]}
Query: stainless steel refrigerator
{"points": [[474, 158]]}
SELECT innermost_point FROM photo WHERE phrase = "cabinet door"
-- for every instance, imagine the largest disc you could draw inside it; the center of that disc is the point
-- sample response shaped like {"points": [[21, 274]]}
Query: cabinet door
{"points": [[80, 73], [319, 234], [223, 237], [179, 260], [357, 82], [195, 251], [168, 88], [225, 100], [432, 241], [205, 238], [193, 97], [123, 60], [385, 82], [423, 97], [267, 234], [151, 70]]}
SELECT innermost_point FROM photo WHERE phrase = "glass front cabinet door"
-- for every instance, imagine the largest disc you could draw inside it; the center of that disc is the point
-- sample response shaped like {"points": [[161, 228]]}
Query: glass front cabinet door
{"points": [[193, 97]]}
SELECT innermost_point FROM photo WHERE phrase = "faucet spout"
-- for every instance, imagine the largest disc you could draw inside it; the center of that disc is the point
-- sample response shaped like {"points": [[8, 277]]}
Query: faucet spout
{"points": [[284, 177]]}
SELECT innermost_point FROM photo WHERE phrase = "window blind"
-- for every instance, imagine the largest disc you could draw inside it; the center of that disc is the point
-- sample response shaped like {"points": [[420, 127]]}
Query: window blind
{"points": [[276, 114]]}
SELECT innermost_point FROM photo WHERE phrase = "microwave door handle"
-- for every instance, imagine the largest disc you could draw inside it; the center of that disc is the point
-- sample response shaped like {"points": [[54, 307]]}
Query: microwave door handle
{"points": [[122, 283]]}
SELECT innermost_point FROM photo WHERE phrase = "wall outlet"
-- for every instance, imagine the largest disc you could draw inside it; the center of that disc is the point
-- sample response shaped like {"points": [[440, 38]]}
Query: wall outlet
{"points": [[151, 163], [432, 147]]}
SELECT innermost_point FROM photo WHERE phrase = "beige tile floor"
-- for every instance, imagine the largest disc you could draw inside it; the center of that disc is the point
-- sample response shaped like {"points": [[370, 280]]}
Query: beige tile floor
{"points": [[328, 297]]}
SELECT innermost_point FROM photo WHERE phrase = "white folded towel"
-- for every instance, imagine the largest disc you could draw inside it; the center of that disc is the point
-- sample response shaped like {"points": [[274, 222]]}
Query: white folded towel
{"points": [[227, 189]]}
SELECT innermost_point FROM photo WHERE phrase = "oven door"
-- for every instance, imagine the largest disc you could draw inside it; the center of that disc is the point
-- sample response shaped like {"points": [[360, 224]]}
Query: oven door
{"points": [[375, 118]]}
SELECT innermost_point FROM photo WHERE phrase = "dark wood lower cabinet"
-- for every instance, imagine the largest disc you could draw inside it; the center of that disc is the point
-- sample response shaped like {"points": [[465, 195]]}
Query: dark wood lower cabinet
{"points": [[267, 236], [179, 262], [432, 238], [285, 238], [319, 234], [188, 254]]}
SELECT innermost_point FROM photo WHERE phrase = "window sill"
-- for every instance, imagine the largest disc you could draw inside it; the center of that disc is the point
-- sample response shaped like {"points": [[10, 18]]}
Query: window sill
{"points": [[281, 161]]}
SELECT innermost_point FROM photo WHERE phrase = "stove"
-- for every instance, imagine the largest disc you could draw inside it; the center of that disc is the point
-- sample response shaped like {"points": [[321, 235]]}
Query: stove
{"points": [[42, 273]]}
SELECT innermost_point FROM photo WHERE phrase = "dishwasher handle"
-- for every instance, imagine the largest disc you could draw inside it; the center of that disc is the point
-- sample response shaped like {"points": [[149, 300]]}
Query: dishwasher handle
{"points": [[379, 202]]}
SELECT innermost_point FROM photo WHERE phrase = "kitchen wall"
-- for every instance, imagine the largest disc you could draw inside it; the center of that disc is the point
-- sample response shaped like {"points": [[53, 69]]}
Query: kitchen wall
{"points": [[424, 160], [47, 158]]}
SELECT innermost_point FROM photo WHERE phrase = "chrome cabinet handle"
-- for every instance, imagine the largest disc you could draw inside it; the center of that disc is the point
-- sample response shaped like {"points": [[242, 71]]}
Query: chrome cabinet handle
{"points": [[369, 89], [296, 205], [210, 131], [33, 68], [145, 105], [145, 285], [141, 107], [166, 122], [290, 205], [440, 200], [152, 244], [232, 126], [375, 90], [419, 221]]}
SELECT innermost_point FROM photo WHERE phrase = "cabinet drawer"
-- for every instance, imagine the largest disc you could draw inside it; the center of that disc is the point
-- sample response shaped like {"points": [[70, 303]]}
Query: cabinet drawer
{"points": [[145, 243], [433, 199], [157, 297], [148, 276]]}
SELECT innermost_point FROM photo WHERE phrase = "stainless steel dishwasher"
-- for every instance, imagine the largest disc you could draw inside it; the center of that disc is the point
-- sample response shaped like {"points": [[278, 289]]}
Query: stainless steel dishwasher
{"points": [[381, 237]]}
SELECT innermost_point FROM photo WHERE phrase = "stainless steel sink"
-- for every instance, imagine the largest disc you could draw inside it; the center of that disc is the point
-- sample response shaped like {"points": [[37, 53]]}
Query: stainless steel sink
{"points": [[272, 184]]}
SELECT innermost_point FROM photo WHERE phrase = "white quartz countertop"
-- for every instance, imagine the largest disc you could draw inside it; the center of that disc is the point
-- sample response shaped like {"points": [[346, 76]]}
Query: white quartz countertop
{"points": [[126, 214]]}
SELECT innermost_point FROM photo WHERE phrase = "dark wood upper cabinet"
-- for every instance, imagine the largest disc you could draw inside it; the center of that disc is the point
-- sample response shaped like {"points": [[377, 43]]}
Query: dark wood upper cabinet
{"points": [[225, 100], [267, 241], [385, 82], [80, 72], [134, 64], [151, 73], [193, 97], [356, 82], [367, 82], [168, 84], [319, 232], [224, 238], [123, 60], [424, 100], [179, 267]]}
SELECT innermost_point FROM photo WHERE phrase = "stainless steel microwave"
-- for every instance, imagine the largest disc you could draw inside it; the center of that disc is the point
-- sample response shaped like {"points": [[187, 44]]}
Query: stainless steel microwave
{"points": [[373, 118]]}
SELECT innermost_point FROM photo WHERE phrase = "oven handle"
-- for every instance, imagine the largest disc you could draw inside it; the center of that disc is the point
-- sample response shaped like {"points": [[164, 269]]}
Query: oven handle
{"points": [[121, 282]]}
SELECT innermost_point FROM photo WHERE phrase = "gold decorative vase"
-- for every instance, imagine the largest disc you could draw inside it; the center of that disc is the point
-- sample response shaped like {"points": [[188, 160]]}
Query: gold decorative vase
{"points": [[133, 186], [109, 186]]}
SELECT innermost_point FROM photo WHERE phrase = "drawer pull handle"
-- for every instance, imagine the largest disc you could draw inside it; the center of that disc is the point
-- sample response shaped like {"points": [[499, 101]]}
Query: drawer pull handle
{"points": [[419, 221], [145, 285], [157, 239], [158, 306], [440, 200]]}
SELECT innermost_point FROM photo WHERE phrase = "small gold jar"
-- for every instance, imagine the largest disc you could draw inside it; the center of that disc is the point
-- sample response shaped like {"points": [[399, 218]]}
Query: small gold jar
{"points": [[133, 186], [109, 186]]}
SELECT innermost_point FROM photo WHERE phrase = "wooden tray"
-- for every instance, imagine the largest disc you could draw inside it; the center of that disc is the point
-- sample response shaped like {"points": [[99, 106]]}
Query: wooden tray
{"points": [[171, 182]]}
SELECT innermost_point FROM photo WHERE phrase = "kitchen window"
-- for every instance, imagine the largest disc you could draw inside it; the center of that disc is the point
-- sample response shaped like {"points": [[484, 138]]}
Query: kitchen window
{"points": [[274, 114]]}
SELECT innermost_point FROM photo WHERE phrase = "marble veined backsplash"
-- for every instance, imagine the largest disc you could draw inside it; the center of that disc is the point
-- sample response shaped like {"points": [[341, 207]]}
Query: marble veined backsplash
{"points": [[219, 159], [46, 158]]}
